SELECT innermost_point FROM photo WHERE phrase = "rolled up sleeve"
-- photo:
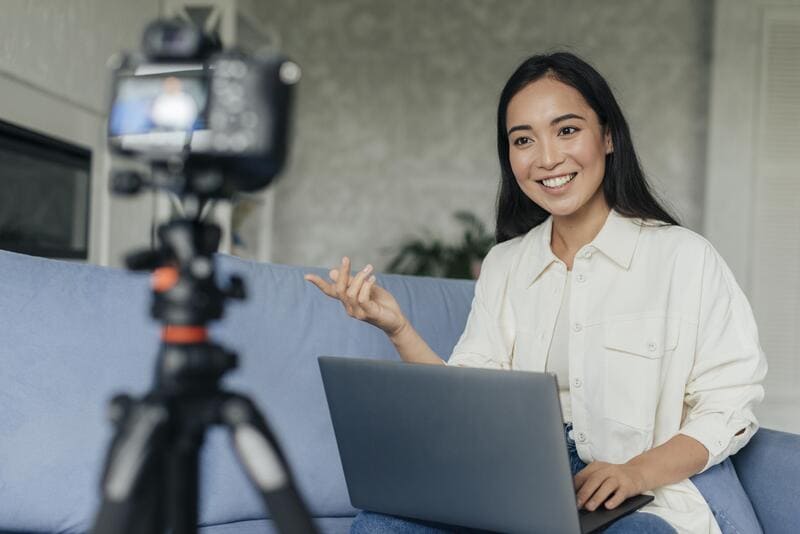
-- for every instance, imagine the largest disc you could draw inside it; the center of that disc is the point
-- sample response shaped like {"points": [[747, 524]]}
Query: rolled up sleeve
{"points": [[725, 382]]}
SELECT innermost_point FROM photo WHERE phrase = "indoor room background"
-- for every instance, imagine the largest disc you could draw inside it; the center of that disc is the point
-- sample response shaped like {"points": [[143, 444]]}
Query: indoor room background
{"points": [[394, 125]]}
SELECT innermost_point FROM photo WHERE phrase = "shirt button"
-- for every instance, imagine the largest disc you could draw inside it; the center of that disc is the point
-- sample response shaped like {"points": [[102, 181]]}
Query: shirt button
{"points": [[587, 254], [581, 278], [577, 327], [581, 437], [652, 347], [577, 382]]}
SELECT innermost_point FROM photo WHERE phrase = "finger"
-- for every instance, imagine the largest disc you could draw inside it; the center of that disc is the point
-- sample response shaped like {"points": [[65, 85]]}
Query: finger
{"points": [[364, 296], [344, 277], [618, 498], [355, 285], [586, 472], [589, 487], [366, 290], [321, 284], [609, 486], [351, 298]]}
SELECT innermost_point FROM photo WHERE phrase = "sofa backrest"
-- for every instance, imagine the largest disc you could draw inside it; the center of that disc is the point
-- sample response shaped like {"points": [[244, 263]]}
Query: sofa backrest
{"points": [[73, 335]]}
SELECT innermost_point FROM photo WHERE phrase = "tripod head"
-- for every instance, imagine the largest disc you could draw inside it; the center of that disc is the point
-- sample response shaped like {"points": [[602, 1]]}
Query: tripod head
{"points": [[186, 298], [184, 285]]}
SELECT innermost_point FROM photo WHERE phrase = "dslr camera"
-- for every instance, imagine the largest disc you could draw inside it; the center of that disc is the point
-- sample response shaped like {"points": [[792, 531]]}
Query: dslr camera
{"points": [[208, 122]]}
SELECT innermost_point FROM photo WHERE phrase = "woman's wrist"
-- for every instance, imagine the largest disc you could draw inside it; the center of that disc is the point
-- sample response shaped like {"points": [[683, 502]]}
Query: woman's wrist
{"points": [[396, 335], [411, 347], [638, 466], [678, 459]]}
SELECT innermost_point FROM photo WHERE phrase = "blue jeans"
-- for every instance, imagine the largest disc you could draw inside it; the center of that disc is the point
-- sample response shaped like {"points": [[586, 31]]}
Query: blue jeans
{"points": [[635, 523]]}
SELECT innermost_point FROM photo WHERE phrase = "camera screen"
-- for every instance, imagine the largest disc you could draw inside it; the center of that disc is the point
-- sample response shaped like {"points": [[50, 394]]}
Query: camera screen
{"points": [[163, 112]]}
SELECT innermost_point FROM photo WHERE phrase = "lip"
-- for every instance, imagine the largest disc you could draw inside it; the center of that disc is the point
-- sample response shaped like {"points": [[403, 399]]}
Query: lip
{"points": [[560, 189]]}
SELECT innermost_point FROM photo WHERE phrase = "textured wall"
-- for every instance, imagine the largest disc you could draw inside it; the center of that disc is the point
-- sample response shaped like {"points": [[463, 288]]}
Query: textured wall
{"points": [[395, 117], [62, 46]]}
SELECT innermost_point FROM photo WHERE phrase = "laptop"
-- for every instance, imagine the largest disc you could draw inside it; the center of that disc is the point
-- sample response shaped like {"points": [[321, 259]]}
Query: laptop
{"points": [[478, 448]]}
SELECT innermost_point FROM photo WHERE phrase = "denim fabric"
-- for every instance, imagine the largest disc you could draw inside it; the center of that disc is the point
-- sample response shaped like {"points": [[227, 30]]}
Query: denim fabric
{"points": [[575, 463], [635, 523], [640, 523]]}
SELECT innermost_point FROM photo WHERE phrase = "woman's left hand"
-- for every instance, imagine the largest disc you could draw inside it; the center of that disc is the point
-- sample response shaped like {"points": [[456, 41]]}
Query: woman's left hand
{"points": [[600, 480]]}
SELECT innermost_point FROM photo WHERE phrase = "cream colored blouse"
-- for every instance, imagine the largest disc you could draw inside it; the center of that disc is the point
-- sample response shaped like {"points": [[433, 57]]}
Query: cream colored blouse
{"points": [[662, 341]]}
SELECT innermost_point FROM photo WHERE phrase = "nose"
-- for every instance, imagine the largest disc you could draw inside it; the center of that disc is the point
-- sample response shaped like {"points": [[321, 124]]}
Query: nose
{"points": [[549, 155]]}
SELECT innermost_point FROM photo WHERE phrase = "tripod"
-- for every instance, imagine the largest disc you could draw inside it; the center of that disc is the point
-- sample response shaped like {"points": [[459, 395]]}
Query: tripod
{"points": [[150, 481]]}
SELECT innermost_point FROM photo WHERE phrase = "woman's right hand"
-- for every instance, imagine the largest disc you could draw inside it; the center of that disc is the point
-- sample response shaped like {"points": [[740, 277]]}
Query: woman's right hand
{"points": [[362, 298]]}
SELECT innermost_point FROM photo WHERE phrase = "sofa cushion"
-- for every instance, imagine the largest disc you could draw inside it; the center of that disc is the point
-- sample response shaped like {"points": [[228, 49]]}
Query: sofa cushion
{"points": [[73, 335], [769, 468], [279, 332], [726, 497]]}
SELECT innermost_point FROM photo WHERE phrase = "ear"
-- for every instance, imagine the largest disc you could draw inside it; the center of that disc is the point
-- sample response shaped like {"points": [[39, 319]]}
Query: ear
{"points": [[608, 141]]}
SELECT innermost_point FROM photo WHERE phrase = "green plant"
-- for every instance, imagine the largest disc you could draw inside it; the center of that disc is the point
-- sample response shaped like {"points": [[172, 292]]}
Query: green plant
{"points": [[430, 256]]}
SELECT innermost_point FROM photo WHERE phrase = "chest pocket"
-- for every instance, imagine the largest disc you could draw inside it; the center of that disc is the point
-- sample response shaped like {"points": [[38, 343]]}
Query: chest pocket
{"points": [[635, 350]]}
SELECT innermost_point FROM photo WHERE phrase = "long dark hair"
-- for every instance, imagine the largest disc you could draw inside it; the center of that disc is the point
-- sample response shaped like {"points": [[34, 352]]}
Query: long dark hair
{"points": [[624, 185]]}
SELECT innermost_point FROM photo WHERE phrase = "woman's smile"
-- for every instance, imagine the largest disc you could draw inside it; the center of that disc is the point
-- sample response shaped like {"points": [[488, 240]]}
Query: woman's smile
{"points": [[557, 184]]}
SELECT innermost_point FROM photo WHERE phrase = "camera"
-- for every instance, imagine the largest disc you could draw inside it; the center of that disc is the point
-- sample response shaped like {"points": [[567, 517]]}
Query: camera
{"points": [[209, 122]]}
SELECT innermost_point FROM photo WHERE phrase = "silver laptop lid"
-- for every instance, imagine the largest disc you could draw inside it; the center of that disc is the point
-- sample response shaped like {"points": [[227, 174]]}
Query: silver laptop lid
{"points": [[406, 431]]}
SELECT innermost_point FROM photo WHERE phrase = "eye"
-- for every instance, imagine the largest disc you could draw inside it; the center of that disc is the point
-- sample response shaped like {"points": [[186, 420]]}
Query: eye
{"points": [[519, 141], [567, 130]]}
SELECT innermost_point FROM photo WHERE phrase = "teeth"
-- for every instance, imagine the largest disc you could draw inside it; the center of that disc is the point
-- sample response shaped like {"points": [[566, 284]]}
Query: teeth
{"points": [[558, 182]]}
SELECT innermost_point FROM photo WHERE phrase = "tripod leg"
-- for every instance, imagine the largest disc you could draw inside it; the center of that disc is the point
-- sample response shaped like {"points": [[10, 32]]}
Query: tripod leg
{"points": [[265, 465], [182, 488], [133, 481]]}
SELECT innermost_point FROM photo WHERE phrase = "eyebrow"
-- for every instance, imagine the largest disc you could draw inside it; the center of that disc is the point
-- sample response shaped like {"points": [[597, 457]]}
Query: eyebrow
{"points": [[560, 118]]}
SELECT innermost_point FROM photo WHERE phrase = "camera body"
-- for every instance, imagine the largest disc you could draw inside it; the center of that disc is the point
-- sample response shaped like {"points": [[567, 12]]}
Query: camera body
{"points": [[221, 117]]}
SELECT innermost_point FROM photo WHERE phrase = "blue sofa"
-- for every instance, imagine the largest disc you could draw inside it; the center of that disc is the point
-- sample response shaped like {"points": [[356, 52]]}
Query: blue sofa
{"points": [[73, 335]]}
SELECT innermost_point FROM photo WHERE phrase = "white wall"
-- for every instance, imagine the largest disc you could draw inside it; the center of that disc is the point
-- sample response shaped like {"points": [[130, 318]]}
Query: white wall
{"points": [[752, 207]]}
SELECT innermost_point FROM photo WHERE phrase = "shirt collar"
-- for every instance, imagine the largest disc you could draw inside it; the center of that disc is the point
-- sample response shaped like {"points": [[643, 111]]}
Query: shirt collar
{"points": [[617, 239], [537, 255]]}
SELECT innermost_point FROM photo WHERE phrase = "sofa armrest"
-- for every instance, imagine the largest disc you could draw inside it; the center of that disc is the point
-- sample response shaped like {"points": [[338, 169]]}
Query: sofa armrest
{"points": [[769, 470]]}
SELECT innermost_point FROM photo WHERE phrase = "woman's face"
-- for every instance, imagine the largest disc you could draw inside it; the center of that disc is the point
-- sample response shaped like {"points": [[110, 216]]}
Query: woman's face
{"points": [[557, 147]]}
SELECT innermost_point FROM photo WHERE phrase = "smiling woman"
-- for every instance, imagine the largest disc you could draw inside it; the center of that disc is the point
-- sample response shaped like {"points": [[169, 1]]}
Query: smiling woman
{"points": [[653, 343]]}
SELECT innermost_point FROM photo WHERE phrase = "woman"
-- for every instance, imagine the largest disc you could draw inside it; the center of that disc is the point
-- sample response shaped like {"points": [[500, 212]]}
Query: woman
{"points": [[653, 343]]}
